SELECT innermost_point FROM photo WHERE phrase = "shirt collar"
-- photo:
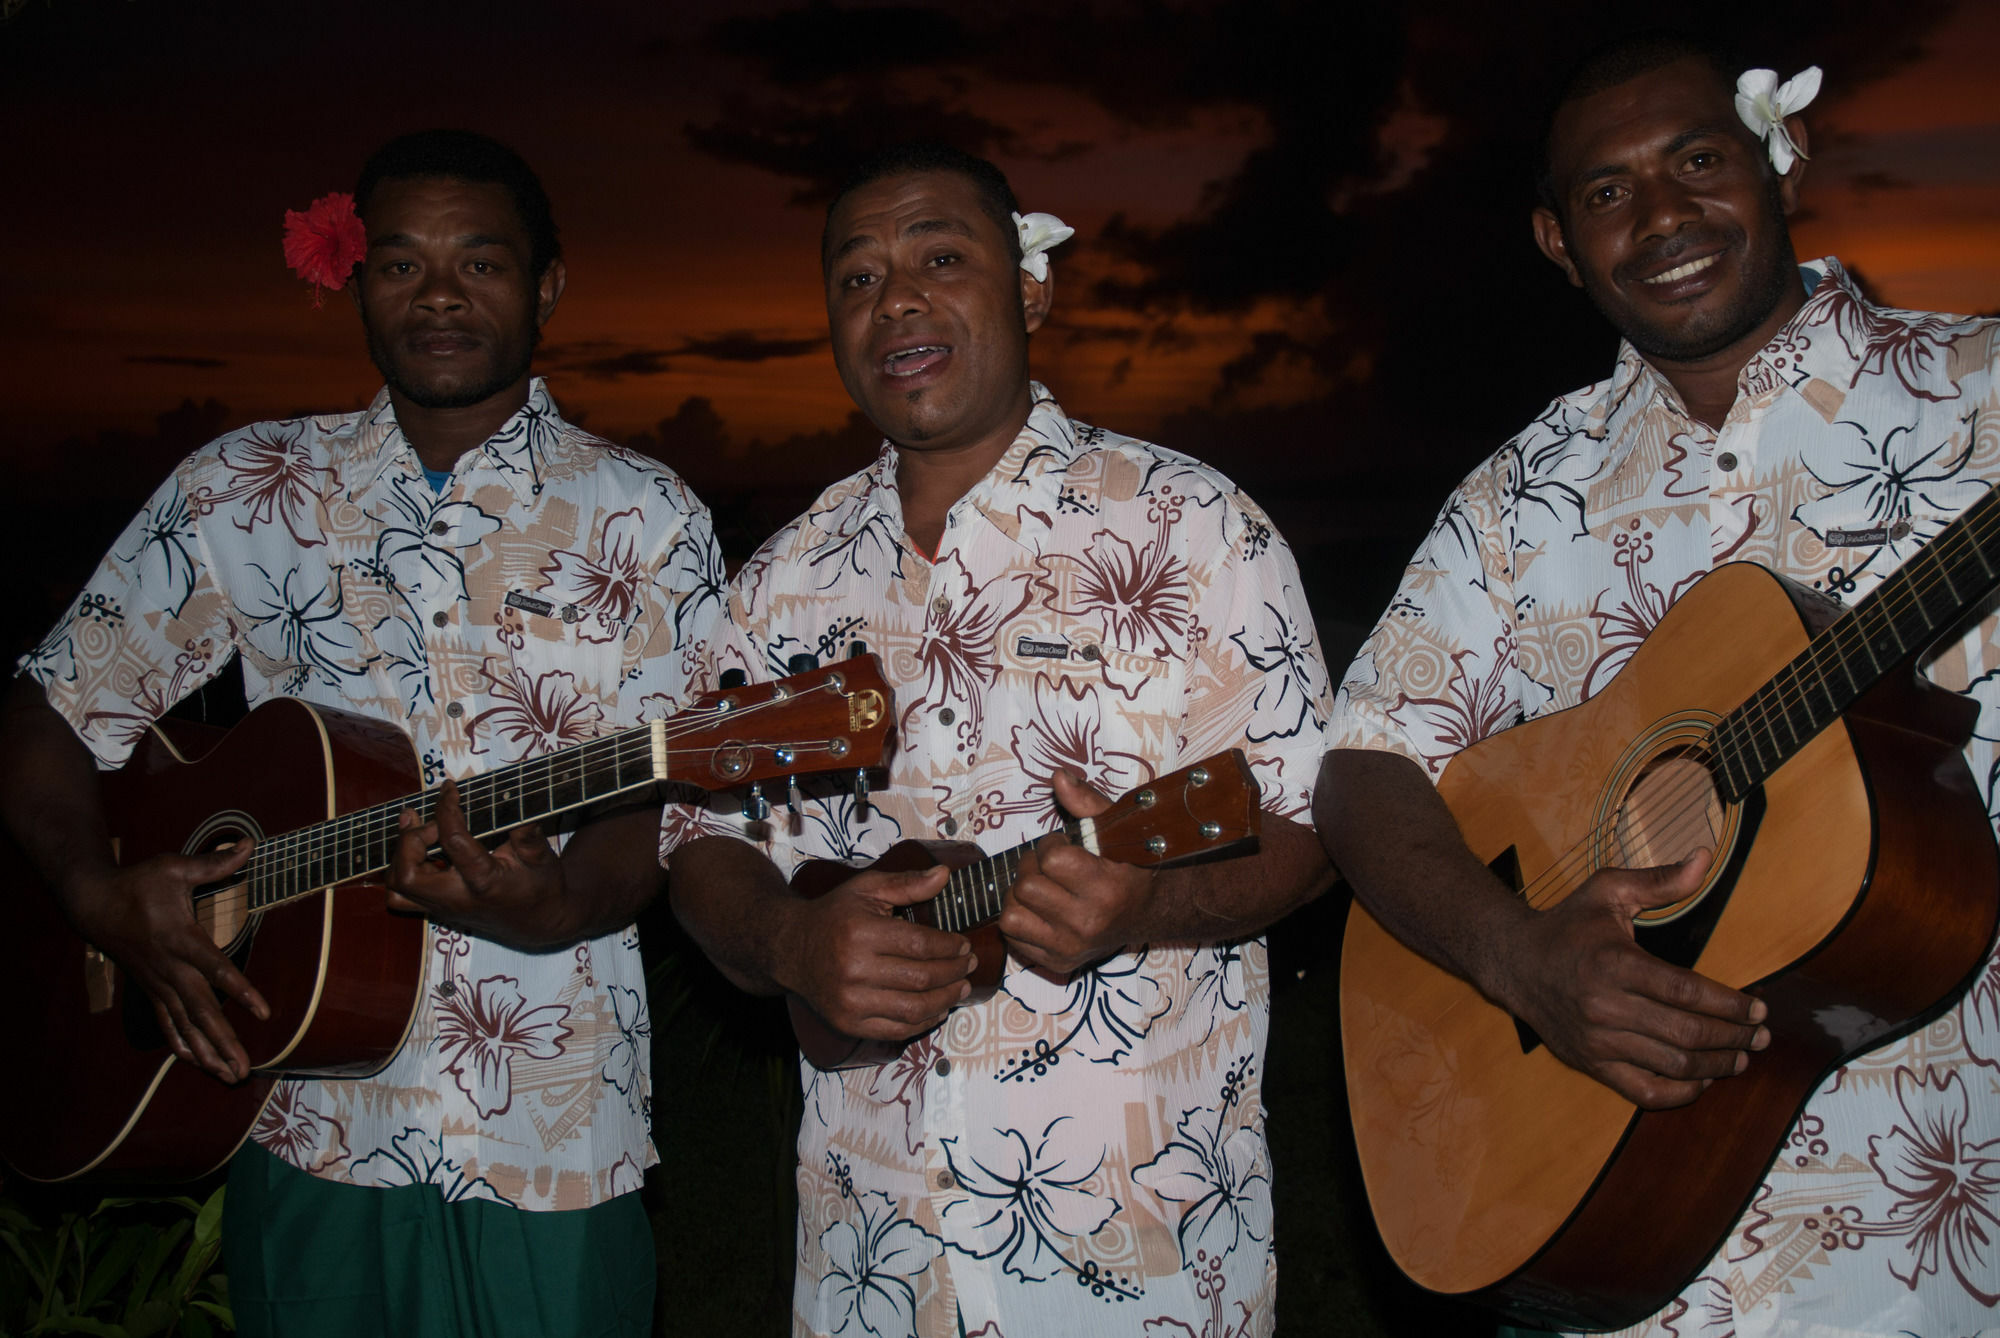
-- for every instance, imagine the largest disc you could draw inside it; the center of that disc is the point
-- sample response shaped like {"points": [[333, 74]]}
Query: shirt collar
{"points": [[1016, 494], [379, 444], [1636, 385]]}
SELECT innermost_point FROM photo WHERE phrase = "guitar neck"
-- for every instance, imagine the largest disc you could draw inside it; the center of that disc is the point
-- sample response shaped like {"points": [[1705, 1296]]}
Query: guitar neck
{"points": [[1900, 617], [363, 842], [975, 893]]}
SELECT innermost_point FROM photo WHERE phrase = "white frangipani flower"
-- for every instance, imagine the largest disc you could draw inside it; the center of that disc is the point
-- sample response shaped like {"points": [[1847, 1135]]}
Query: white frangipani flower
{"points": [[1764, 103], [1038, 233]]}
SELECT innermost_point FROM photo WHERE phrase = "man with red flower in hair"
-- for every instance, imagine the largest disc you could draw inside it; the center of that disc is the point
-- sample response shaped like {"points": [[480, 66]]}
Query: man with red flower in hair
{"points": [[459, 561]]}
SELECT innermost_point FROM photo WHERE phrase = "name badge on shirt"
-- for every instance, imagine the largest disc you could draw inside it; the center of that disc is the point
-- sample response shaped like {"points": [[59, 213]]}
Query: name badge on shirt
{"points": [[1869, 537], [1030, 648], [517, 600]]}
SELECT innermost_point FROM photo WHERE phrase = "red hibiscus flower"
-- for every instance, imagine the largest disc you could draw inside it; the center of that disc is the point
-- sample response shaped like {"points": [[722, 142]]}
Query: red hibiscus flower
{"points": [[325, 243]]}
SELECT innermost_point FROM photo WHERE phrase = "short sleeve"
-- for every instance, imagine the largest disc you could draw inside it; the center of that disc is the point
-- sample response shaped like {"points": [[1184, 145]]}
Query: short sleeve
{"points": [[1441, 668], [148, 628], [1259, 678]]}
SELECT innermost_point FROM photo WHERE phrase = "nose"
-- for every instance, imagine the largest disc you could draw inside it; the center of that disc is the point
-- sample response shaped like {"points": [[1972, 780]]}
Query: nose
{"points": [[899, 295], [1665, 207], [441, 292]]}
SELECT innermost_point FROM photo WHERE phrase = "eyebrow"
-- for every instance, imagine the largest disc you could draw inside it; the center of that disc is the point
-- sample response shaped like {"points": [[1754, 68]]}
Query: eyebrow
{"points": [[918, 228], [471, 241], [1679, 142]]}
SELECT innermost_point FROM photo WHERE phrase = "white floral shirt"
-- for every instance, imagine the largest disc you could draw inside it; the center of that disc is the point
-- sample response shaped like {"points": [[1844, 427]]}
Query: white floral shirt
{"points": [[1857, 434], [1086, 1158], [557, 588]]}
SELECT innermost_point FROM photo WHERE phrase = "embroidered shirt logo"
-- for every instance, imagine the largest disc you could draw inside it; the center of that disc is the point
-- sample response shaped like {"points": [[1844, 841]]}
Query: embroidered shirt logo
{"points": [[1032, 648], [1869, 537], [517, 600]]}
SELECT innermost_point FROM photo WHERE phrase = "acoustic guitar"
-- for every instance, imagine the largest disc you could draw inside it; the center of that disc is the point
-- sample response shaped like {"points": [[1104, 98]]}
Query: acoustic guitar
{"points": [[93, 1085], [1854, 889], [1195, 813]]}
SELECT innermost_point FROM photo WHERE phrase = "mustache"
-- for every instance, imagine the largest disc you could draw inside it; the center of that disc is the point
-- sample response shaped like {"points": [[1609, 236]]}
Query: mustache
{"points": [[1664, 255]]}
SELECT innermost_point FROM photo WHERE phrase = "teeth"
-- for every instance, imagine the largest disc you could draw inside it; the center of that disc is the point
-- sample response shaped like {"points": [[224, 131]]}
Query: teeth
{"points": [[1692, 267]]}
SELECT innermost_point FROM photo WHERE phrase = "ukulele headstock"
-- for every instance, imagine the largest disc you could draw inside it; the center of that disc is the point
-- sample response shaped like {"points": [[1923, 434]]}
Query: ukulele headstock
{"points": [[832, 719], [1199, 810]]}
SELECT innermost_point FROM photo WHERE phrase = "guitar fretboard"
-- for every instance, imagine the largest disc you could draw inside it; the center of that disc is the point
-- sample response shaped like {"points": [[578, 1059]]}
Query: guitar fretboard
{"points": [[1901, 616], [363, 842]]}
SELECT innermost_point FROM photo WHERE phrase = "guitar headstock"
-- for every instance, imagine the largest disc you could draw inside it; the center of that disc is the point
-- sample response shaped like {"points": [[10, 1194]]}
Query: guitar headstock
{"points": [[1198, 810], [831, 719]]}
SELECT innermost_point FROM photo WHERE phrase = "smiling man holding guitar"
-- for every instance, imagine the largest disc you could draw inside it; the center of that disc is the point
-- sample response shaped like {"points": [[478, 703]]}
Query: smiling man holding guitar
{"points": [[1734, 861], [1069, 617], [458, 563]]}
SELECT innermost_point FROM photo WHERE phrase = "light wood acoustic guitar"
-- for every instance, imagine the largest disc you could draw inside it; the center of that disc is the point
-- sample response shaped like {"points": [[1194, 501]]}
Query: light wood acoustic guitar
{"points": [[93, 1087], [1854, 890], [1198, 812]]}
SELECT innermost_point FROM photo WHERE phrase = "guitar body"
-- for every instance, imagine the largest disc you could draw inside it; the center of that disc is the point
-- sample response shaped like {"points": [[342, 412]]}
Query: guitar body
{"points": [[1854, 891], [828, 1048], [99, 1091]]}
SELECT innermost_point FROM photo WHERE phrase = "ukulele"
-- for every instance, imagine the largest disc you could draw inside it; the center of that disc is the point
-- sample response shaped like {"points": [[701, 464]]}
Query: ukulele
{"points": [[1198, 811]]}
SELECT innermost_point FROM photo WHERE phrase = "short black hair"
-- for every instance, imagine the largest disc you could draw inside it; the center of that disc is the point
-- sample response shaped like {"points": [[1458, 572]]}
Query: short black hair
{"points": [[996, 197], [465, 155], [1612, 64]]}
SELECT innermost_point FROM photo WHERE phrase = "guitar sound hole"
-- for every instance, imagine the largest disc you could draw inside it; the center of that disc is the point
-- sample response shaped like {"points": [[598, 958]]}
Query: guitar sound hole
{"points": [[1671, 811]]}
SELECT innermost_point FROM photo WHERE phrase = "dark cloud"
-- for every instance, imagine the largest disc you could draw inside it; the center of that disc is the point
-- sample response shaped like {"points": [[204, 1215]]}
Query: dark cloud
{"points": [[175, 360], [602, 360], [805, 47], [819, 144], [743, 346]]}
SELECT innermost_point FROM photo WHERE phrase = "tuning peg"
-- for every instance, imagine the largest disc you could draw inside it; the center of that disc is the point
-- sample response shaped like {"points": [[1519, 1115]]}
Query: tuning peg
{"points": [[755, 807], [860, 794], [856, 649], [734, 678], [802, 663], [793, 799]]}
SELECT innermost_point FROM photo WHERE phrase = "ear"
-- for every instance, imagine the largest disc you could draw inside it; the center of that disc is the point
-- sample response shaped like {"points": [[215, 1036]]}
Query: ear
{"points": [[1549, 236], [1037, 296], [554, 279], [1788, 184]]}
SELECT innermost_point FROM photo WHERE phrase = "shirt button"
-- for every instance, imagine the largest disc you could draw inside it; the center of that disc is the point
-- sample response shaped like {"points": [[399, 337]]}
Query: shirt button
{"points": [[1092, 653], [949, 826], [440, 618], [439, 527], [940, 606], [449, 988], [455, 710], [1726, 461], [942, 1068], [945, 1180], [946, 716]]}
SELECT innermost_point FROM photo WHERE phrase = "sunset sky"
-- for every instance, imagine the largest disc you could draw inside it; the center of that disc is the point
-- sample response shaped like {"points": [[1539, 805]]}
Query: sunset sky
{"points": [[1302, 249]]}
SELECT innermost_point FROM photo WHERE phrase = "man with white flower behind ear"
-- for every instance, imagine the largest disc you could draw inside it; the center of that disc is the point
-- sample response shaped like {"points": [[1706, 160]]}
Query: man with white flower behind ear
{"points": [[1760, 411], [1067, 615]]}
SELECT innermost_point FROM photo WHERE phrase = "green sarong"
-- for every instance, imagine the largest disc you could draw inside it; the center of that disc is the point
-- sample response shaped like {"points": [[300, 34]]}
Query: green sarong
{"points": [[308, 1257]]}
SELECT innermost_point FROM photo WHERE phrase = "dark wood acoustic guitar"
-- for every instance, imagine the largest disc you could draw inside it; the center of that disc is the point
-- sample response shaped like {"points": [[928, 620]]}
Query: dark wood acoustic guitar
{"points": [[1854, 890], [93, 1085], [1194, 813]]}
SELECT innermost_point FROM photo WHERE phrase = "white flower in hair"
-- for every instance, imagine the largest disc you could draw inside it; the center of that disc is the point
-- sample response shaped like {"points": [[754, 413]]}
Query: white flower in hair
{"points": [[1038, 233], [1764, 103]]}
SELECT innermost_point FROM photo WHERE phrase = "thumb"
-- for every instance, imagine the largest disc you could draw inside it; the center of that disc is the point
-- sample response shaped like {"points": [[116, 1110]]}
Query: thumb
{"points": [[1076, 796], [1663, 884], [907, 889], [228, 859]]}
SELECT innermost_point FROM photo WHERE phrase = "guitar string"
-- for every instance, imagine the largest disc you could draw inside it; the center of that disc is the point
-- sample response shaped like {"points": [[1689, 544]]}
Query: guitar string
{"points": [[1899, 593], [380, 824]]}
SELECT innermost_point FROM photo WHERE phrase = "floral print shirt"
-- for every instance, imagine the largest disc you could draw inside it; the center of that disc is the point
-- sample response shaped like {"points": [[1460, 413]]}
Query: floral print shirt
{"points": [[557, 588], [1857, 434], [1070, 1158]]}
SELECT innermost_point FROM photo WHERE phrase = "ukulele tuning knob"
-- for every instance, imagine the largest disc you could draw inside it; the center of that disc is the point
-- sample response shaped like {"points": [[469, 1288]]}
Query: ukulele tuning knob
{"points": [[793, 799], [860, 794], [755, 807]]}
